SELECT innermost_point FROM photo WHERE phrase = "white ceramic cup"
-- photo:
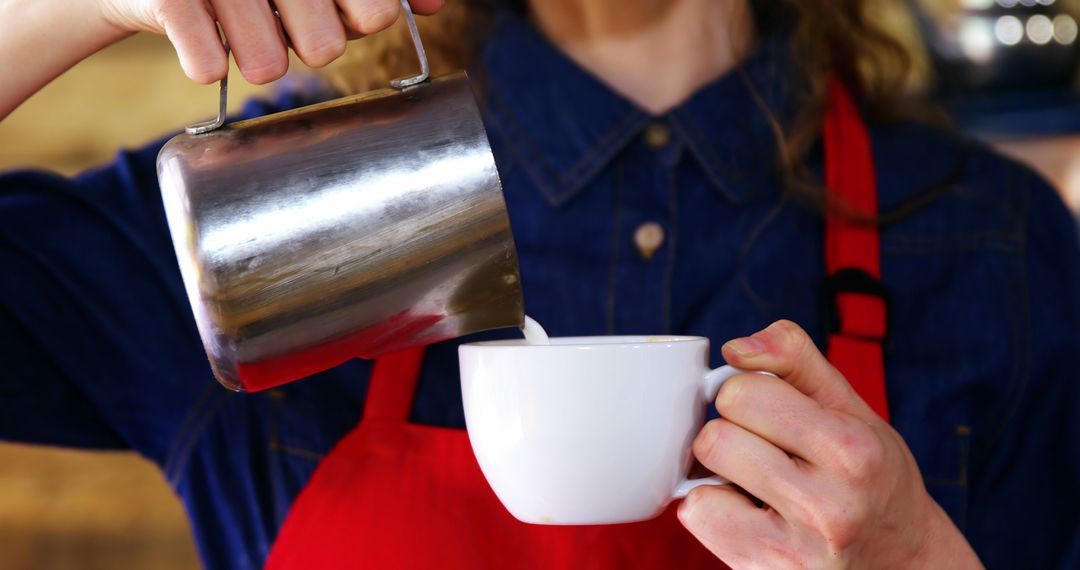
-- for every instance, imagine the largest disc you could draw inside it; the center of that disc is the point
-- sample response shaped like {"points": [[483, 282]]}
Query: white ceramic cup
{"points": [[588, 430]]}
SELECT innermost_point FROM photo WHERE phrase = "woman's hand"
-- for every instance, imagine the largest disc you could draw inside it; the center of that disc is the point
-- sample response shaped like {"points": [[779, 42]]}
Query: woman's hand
{"points": [[839, 486], [41, 39], [315, 29]]}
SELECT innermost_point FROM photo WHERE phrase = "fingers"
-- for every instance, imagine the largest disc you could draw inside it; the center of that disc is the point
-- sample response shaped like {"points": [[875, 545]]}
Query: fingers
{"points": [[776, 411], [315, 30], [426, 7], [729, 524], [255, 38], [191, 29], [363, 17], [750, 462], [787, 351], [369, 16]]}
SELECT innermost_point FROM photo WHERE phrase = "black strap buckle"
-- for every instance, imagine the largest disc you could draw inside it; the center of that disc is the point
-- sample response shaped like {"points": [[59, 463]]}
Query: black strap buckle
{"points": [[851, 280]]}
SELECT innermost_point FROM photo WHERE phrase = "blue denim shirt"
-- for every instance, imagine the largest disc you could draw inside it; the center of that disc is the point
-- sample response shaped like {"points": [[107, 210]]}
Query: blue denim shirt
{"points": [[100, 349]]}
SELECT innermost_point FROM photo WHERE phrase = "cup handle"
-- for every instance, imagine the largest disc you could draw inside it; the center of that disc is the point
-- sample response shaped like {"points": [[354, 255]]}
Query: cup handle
{"points": [[716, 378], [710, 386], [686, 485]]}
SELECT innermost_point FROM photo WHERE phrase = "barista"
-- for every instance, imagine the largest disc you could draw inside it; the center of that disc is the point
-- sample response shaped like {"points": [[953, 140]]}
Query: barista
{"points": [[596, 134]]}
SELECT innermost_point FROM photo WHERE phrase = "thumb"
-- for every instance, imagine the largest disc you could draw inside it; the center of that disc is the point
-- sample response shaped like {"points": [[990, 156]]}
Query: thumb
{"points": [[786, 350]]}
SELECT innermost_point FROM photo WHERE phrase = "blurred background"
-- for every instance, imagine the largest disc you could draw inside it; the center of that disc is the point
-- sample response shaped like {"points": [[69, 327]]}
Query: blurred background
{"points": [[1004, 70], [63, 509]]}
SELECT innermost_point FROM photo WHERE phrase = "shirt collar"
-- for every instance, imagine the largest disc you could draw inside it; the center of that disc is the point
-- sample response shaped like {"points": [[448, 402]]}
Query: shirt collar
{"points": [[564, 126]]}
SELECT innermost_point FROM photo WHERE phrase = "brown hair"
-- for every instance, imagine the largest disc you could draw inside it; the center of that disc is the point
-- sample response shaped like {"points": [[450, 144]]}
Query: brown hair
{"points": [[827, 36], [837, 37]]}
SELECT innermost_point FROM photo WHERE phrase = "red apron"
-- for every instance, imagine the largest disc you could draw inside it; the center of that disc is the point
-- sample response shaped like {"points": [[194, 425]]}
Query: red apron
{"points": [[397, 495]]}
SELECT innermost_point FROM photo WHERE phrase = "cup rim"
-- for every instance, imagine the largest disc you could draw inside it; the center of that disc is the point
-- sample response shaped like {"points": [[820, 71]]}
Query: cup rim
{"points": [[590, 342]]}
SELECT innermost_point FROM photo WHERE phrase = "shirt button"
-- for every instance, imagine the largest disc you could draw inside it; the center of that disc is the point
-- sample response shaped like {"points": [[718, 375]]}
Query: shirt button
{"points": [[648, 238], [657, 135]]}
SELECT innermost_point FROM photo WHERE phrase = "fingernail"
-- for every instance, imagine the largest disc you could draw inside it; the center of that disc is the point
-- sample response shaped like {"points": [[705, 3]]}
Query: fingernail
{"points": [[746, 346], [683, 511]]}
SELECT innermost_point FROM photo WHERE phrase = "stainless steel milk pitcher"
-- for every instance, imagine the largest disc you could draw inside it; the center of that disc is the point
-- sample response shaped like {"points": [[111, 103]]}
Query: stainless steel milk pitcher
{"points": [[351, 228]]}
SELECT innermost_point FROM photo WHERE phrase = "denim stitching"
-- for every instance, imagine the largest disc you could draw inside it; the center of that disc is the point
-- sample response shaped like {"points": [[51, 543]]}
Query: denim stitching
{"points": [[628, 127], [1002, 235], [709, 161], [512, 136], [1004, 242], [296, 452], [1020, 340], [612, 140], [962, 434], [184, 454], [673, 227], [699, 139], [274, 440], [943, 250], [615, 247], [174, 445], [277, 410], [764, 306]]}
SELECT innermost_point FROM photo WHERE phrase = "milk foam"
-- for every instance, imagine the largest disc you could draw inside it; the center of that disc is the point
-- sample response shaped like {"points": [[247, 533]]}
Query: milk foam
{"points": [[534, 333]]}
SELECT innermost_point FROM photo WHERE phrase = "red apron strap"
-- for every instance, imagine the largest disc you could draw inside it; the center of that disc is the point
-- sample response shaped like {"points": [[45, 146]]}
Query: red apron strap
{"points": [[854, 298], [393, 385]]}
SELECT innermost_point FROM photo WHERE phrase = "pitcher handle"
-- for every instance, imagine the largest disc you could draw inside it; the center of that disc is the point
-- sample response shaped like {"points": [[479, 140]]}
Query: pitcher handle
{"points": [[421, 55], [223, 104], [223, 89]]}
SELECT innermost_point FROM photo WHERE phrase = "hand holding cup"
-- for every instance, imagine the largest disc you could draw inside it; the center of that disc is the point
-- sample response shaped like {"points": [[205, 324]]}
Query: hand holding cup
{"points": [[819, 480]]}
